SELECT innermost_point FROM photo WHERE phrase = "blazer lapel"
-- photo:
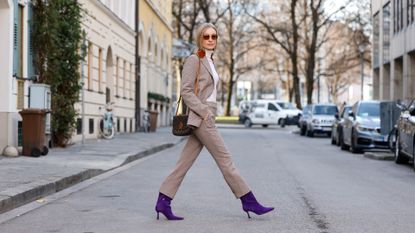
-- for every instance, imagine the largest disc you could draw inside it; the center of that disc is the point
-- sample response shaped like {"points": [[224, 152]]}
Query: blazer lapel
{"points": [[207, 66]]}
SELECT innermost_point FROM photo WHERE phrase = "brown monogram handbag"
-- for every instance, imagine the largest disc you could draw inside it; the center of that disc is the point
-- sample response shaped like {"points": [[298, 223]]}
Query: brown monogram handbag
{"points": [[180, 127]]}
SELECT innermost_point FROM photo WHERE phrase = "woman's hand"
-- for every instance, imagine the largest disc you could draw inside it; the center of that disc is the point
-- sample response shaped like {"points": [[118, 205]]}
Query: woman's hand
{"points": [[209, 119]]}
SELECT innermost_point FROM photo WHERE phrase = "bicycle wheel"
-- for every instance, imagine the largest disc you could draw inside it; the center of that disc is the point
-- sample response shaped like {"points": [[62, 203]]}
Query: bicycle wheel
{"points": [[108, 133]]}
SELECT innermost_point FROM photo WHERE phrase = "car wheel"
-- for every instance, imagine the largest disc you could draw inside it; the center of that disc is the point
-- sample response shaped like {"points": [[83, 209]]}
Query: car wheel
{"points": [[343, 146], [353, 147], [303, 130], [338, 134], [399, 158], [310, 133], [413, 151], [282, 122], [333, 138], [247, 123]]}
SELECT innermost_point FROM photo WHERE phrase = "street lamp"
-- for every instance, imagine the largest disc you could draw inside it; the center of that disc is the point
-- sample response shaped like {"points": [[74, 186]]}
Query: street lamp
{"points": [[362, 48]]}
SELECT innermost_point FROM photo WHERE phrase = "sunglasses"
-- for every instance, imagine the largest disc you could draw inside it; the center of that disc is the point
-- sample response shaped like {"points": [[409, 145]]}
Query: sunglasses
{"points": [[213, 37]]}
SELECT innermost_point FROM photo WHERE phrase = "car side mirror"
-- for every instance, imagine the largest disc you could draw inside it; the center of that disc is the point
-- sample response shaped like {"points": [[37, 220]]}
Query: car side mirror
{"points": [[351, 114], [336, 115]]}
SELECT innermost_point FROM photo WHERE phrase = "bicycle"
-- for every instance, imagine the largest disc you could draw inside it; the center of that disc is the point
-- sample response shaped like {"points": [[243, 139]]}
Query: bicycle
{"points": [[107, 124], [146, 121]]}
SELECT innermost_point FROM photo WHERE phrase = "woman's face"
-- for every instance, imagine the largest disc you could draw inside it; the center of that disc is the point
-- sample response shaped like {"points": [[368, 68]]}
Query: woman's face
{"points": [[209, 38]]}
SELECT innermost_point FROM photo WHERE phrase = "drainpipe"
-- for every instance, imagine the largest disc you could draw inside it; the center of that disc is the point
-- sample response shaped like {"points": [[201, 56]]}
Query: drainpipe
{"points": [[137, 69]]}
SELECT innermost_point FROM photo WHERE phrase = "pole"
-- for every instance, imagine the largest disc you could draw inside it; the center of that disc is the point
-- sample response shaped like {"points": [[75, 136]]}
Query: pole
{"points": [[83, 48], [361, 75]]}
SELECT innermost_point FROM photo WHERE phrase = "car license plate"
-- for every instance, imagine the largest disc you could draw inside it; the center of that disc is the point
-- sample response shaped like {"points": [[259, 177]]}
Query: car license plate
{"points": [[382, 138]]}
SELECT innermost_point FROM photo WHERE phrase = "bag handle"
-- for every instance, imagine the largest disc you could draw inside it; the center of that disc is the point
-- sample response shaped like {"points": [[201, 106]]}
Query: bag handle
{"points": [[196, 87]]}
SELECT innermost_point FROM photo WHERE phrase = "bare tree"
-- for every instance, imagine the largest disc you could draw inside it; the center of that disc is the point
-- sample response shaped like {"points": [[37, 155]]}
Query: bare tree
{"points": [[284, 33], [237, 43]]}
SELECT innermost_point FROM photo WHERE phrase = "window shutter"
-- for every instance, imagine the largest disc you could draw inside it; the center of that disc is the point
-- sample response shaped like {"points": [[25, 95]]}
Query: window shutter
{"points": [[30, 65], [15, 39]]}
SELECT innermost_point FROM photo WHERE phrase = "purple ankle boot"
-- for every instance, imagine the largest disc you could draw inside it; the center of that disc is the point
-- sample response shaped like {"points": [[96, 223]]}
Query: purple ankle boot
{"points": [[249, 203], [163, 206]]}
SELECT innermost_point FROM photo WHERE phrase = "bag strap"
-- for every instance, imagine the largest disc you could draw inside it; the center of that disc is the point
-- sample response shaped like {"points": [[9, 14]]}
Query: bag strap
{"points": [[196, 87]]}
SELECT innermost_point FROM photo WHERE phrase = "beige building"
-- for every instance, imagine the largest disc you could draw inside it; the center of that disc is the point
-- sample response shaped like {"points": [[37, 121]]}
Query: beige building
{"points": [[393, 49], [15, 68], [155, 49], [109, 68]]}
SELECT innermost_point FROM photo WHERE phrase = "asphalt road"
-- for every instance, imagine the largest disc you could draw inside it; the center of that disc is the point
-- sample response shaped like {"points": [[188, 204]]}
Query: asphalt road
{"points": [[314, 186]]}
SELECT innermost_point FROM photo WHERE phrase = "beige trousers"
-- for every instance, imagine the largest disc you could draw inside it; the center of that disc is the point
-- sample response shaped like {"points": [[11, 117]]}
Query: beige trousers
{"points": [[205, 135]]}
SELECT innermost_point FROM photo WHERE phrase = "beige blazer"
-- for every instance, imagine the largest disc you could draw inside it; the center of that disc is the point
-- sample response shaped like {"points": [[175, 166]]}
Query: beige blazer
{"points": [[198, 109]]}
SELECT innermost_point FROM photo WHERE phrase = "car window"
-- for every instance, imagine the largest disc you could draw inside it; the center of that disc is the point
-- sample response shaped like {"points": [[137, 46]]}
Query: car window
{"points": [[272, 107], [325, 110], [345, 111], [286, 105], [369, 110], [306, 110]]}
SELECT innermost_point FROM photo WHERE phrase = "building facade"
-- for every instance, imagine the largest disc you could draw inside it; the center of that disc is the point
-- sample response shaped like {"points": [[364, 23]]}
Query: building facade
{"points": [[393, 49], [108, 72], [155, 36], [15, 67]]}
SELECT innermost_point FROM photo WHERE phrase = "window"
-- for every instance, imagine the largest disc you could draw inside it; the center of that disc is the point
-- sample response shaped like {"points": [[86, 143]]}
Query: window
{"points": [[20, 94], [117, 76], [376, 40], [124, 79], [91, 126], [89, 71], [272, 107], [397, 15], [386, 32], [411, 11], [79, 126], [131, 81], [369, 109], [100, 70], [125, 124], [18, 53], [325, 110]]}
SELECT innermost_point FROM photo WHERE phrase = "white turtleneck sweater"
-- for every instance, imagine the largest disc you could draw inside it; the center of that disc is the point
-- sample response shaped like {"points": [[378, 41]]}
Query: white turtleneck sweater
{"points": [[212, 97]]}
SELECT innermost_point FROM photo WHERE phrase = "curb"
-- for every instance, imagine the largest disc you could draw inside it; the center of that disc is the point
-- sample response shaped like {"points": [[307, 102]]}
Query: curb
{"points": [[379, 156], [42, 190], [8, 203]]}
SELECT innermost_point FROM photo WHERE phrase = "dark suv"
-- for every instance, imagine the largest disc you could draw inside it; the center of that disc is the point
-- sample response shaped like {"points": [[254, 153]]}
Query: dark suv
{"points": [[405, 137]]}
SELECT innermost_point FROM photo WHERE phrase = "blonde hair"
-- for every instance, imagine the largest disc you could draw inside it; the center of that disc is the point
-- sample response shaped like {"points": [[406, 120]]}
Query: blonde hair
{"points": [[199, 33]]}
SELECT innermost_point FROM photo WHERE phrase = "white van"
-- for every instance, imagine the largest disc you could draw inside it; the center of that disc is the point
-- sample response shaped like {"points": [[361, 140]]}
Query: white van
{"points": [[267, 112]]}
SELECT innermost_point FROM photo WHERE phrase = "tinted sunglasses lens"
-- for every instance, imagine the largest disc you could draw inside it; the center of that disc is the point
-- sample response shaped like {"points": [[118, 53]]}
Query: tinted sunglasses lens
{"points": [[206, 37]]}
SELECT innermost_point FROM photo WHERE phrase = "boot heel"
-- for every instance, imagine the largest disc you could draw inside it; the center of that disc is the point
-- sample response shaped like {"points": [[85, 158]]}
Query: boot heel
{"points": [[157, 215], [247, 212]]}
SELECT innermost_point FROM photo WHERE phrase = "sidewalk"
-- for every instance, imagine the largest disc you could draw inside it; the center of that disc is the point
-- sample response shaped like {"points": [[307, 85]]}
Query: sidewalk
{"points": [[25, 179]]}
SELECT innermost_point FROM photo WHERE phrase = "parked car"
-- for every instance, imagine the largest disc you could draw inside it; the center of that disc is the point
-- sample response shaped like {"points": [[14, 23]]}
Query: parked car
{"points": [[317, 118], [405, 146], [292, 114], [361, 129], [336, 129], [266, 112]]}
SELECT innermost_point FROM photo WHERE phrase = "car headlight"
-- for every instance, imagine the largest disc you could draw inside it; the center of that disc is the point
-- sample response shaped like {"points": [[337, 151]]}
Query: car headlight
{"points": [[365, 129], [315, 121]]}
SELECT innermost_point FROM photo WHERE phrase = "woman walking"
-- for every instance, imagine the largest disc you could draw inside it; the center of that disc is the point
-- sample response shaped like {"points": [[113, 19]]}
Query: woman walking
{"points": [[199, 73]]}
